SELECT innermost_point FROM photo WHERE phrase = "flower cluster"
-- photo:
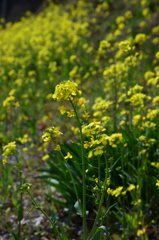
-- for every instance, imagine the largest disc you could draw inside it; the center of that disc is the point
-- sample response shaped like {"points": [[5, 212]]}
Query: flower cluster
{"points": [[124, 46], [25, 187], [66, 91], [115, 192], [115, 139], [7, 150], [97, 139], [50, 134], [7, 102]]}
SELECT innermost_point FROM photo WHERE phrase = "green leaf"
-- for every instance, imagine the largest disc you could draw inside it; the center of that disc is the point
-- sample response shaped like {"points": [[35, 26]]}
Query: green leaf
{"points": [[131, 179], [146, 237], [31, 210], [53, 217], [118, 216], [109, 210], [91, 179], [78, 210], [64, 237], [62, 189], [14, 235], [114, 164], [96, 234], [14, 200]]}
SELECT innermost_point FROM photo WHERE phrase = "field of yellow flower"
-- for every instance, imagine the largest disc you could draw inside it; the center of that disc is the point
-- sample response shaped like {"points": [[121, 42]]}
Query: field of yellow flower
{"points": [[79, 102]]}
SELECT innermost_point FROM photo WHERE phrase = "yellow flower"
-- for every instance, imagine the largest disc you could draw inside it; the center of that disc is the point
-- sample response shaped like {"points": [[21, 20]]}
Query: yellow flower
{"points": [[104, 44], [115, 138], [152, 113], [90, 154], [70, 113], [157, 55], [46, 157], [85, 115], [131, 187], [5, 160], [73, 58], [120, 19], [58, 148], [50, 133], [46, 137], [98, 150], [7, 150], [140, 38], [75, 130], [92, 128], [141, 232], [155, 164], [86, 144], [109, 191], [16, 105], [25, 149], [157, 183], [63, 110], [149, 75], [139, 201], [117, 191], [123, 193], [142, 138], [66, 91], [155, 100], [25, 187], [97, 180], [128, 15], [124, 46], [68, 156], [122, 123]]}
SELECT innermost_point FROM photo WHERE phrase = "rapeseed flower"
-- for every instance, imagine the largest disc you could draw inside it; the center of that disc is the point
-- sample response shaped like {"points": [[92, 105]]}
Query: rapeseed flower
{"points": [[68, 156], [58, 148], [131, 187], [157, 183], [7, 150], [124, 46], [46, 157], [66, 91], [63, 110], [140, 38], [50, 134]]}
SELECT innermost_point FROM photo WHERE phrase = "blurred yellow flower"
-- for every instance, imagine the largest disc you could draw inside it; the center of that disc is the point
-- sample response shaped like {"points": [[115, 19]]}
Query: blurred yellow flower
{"points": [[58, 148], [68, 156], [46, 157]]}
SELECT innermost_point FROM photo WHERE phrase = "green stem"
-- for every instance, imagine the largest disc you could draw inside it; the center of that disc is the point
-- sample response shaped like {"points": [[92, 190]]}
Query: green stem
{"points": [[100, 205], [20, 214], [76, 192], [106, 161], [122, 162], [99, 175], [40, 209], [115, 106], [83, 173], [99, 170]]}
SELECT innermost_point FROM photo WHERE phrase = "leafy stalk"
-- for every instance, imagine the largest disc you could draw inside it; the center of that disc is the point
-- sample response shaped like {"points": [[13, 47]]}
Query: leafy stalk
{"points": [[83, 173], [40, 209]]}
